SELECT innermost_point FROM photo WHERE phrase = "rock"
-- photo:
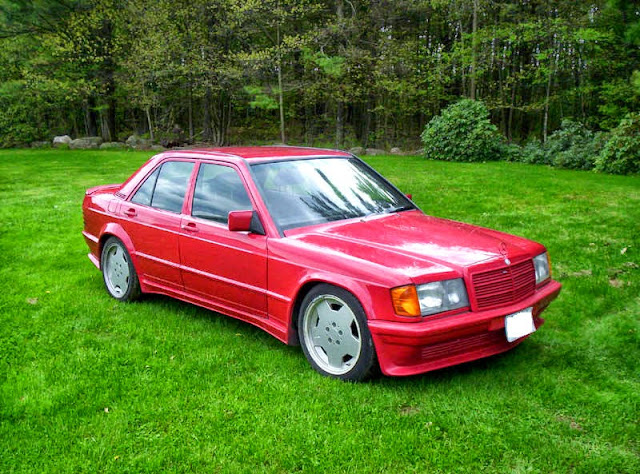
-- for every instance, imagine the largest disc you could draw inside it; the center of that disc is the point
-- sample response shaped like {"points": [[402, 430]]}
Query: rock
{"points": [[112, 146], [40, 145], [396, 151], [357, 150], [157, 148], [137, 143], [85, 143], [414, 152], [61, 140], [376, 151]]}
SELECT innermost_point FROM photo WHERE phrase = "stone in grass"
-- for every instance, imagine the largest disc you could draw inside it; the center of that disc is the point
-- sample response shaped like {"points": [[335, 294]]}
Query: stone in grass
{"points": [[376, 151], [138, 143], [395, 151], [85, 143], [61, 140], [112, 146], [357, 150]]}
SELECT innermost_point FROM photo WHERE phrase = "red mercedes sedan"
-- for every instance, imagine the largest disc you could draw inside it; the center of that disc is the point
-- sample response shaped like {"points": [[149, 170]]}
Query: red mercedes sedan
{"points": [[317, 249]]}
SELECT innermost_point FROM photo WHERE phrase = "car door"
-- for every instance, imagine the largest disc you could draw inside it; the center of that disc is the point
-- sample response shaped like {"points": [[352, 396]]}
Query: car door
{"points": [[227, 269], [152, 219]]}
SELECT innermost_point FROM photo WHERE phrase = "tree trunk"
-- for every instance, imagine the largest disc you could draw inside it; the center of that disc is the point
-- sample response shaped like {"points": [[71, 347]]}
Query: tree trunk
{"points": [[147, 111], [206, 125], [474, 50], [339, 101], [280, 95], [190, 112]]}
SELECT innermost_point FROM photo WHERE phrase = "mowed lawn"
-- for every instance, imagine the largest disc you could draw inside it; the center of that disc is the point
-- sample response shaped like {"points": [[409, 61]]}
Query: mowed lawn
{"points": [[90, 384]]}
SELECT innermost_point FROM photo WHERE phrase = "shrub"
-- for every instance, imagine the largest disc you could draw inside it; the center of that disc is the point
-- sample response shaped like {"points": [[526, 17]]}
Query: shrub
{"points": [[621, 153], [534, 152], [572, 146], [463, 132]]}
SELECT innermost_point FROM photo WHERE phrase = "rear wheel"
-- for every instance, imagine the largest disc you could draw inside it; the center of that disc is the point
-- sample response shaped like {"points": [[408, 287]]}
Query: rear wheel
{"points": [[334, 335], [117, 270]]}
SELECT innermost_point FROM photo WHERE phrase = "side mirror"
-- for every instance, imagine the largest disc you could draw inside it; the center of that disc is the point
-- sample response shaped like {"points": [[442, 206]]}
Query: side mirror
{"points": [[240, 221], [245, 221], [410, 196]]}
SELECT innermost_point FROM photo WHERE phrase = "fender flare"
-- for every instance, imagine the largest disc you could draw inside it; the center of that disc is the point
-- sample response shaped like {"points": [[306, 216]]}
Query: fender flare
{"points": [[116, 230], [357, 288]]}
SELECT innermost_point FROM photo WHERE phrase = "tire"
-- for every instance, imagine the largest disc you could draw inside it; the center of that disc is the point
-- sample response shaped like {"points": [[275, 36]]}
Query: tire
{"points": [[334, 335], [119, 275]]}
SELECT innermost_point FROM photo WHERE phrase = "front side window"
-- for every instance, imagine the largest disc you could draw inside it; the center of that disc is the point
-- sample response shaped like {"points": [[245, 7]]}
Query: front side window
{"points": [[218, 191], [315, 191], [166, 186]]}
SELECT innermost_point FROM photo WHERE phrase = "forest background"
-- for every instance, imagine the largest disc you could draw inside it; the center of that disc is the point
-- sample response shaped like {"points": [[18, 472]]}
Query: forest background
{"points": [[344, 73]]}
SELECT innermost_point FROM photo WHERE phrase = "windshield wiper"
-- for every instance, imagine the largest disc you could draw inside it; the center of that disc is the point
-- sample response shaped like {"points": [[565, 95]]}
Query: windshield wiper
{"points": [[403, 207]]}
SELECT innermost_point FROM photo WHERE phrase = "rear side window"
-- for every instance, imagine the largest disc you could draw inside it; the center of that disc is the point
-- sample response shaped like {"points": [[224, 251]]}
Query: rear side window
{"points": [[144, 192], [165, 188]]}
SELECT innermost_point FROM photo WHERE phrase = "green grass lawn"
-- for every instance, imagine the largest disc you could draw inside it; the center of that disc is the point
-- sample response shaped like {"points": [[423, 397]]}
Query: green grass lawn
{"points": [[87, 383]]}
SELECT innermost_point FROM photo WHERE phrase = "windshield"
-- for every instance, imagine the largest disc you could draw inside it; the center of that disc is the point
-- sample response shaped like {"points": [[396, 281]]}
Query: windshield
{"points": [[314, 191]]}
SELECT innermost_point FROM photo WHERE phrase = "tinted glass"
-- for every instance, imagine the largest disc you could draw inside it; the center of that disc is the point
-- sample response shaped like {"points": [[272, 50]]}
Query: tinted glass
{"points": [[171, 185], [314, 191], [144, 192], [219, 190]]}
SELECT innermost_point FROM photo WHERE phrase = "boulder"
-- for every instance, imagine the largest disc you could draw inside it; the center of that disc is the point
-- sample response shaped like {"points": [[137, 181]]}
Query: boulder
{"points": [[137, 143], [396, 151], [357, 150], [376, 151], [157, 148], [85, 143], [112, 146], [40, 145], [415, 152], [61, 140]]}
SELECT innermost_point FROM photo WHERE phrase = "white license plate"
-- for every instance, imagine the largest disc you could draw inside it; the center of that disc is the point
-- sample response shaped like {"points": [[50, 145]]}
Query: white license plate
{"points": [[519, 324]]}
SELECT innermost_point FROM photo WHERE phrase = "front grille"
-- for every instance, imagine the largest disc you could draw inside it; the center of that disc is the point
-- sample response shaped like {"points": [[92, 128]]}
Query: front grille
{"points": [[504, 286]]}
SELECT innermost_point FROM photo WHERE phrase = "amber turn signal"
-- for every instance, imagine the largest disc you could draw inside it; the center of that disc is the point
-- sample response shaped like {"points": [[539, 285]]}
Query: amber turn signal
{"points": [[405, 301]]}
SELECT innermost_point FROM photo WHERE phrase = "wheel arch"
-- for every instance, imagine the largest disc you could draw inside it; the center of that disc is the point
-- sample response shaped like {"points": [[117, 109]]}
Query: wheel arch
{"points": [[115, 230], [357, 289]]}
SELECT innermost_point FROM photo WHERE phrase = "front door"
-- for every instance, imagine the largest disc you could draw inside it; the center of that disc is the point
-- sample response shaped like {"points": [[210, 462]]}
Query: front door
{"points": [[227, 269]]}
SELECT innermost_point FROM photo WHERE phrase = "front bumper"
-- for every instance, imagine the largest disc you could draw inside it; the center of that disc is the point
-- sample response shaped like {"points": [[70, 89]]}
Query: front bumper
{"points": [[414, 348]]}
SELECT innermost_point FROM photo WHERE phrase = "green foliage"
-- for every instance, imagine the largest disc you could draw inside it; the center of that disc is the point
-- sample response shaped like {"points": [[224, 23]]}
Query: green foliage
{"points": [[533, 152], [621, 153], [572, 146], [463, 132], [261, 100]]}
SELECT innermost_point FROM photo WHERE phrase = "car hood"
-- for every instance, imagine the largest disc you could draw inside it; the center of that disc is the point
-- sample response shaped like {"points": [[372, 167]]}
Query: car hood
{"points": [[415, 244]]}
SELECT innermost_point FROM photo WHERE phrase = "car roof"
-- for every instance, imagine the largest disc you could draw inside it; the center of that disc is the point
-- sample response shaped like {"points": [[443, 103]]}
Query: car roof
{"points": [[264, 153]]}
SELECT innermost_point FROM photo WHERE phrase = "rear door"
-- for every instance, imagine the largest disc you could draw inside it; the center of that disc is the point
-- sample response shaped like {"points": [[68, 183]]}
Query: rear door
{"points": [[227, 269], [152, 219]]}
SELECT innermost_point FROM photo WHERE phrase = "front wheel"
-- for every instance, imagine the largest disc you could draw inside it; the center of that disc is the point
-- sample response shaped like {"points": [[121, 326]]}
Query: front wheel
{"points": [[334, 335], [118, 272]]}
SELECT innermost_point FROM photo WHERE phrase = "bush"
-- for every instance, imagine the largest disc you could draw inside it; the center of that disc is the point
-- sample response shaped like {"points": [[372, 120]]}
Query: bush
{"points": [[534, 152], [621, 153], [463, 132], [572, 146]]}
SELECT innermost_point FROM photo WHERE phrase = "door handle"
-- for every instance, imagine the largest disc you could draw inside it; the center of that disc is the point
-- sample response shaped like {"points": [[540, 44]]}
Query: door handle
{"points": [[131, 212], [190, 226]]}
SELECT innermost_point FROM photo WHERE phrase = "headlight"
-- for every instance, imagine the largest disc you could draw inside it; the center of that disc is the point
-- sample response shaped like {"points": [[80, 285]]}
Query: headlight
{"points": [[541, 264], [430, 298], [440, 296]]}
